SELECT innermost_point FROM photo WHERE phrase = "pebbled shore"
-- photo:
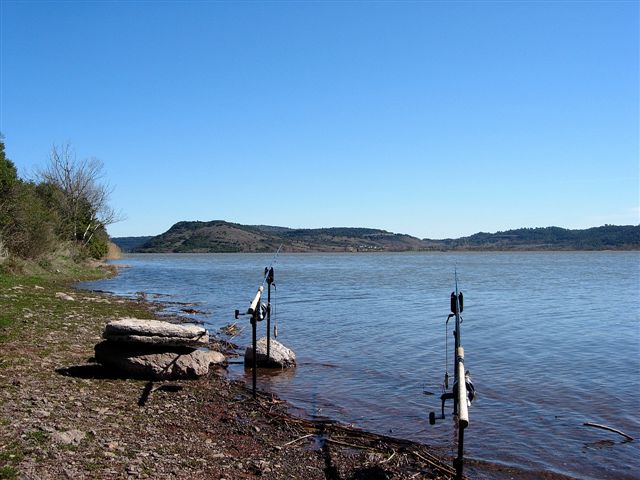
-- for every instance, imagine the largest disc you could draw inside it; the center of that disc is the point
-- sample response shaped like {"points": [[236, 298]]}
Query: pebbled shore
{"points": [[64, 416]]}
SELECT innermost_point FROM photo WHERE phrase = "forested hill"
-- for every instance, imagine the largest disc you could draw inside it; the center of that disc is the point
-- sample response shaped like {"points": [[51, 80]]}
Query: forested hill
{"points": [[608, 237], [222, 236]]}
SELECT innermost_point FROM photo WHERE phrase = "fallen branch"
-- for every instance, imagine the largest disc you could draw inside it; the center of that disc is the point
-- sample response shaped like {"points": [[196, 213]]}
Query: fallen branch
{"points": [[438, 466], [345, 444], [294, 441], [604, 427], [392, 455]]}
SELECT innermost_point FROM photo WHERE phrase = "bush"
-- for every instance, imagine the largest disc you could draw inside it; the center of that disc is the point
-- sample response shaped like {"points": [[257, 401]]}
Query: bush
{"points": [[98, 246], [66, 205], [28, 225]]}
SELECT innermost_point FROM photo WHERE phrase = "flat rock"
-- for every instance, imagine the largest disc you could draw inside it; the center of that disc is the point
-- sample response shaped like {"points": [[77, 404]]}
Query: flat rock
{"points": [[201, 341], [155, 332], [279, 355], [145, 361]]}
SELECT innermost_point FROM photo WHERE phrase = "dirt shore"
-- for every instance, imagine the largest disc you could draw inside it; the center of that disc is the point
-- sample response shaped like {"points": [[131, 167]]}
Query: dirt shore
{"points": [[64, 416]]}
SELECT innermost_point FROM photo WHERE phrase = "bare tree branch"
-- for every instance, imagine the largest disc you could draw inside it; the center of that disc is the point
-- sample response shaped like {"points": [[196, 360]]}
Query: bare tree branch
{"points": [[86, 197]]}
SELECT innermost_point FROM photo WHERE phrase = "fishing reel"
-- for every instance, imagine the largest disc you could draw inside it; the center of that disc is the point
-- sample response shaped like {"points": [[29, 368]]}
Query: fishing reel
{"points": [[471, 394], [260, 315]]}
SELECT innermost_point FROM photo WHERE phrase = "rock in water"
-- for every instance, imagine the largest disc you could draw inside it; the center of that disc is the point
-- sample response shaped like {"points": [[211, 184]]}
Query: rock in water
{"points": [[155, 332], [156, 363], [280, 356]]}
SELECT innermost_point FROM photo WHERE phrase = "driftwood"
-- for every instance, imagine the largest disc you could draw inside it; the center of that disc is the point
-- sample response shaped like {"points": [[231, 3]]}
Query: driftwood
{"points": [[604, 427], [297, 439], [389, 448]]}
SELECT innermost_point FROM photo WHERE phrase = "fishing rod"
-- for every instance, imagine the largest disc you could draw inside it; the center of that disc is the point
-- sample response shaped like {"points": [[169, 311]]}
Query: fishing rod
{"points": [[270, 267], [269, 279], [259, 312], [463, 391]]}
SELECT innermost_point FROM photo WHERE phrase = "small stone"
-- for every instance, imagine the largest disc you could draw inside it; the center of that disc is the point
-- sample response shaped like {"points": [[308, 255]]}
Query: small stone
{"points": [[70, 437], [64, 296]]}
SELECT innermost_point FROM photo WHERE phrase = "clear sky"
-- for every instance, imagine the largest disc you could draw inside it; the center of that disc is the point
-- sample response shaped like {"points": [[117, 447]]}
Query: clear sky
{"points": [[436, 119]]}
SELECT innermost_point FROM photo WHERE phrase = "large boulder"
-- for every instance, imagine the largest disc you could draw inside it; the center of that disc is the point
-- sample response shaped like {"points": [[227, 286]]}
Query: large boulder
{"points": [[279, 355], [155, 332], [150, 362]]}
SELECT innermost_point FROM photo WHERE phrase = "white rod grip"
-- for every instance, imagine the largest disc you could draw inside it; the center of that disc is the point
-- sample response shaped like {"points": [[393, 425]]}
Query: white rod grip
{"points": [[463, 410], [255, 301]]}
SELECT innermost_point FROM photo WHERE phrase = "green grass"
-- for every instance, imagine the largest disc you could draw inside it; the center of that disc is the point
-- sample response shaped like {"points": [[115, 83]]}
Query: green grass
{"points": [[8, 473], [10, 456], [38, 436], [28, 300]]}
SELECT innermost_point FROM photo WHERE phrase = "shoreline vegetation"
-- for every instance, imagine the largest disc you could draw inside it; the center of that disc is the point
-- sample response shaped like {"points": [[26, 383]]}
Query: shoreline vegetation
{"points": [[64, 416], [219, 236]]}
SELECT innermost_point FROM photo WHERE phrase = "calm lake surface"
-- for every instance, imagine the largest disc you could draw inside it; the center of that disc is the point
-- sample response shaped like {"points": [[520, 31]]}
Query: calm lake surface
{"points": [[552, 340]]}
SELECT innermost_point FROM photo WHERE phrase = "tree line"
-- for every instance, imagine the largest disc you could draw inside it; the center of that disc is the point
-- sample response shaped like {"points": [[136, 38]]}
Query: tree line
{"points": [[65, 207]]}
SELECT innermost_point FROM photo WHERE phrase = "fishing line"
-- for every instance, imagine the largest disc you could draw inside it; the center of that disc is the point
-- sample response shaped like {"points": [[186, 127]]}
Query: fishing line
{"points": [[273, 262], [446, 354]]}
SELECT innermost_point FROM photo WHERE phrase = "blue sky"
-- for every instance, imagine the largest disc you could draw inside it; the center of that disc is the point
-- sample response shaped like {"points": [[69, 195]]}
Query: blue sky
{"points": [[436, 119]]}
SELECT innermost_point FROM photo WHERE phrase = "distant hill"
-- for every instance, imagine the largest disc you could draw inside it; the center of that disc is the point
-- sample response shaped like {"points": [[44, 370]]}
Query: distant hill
{"points": [[608, 237], [129, 244], [222, 236]]}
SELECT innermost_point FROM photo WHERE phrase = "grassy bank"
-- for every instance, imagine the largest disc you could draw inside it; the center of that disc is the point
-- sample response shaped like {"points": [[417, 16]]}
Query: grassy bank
{"points": [[40, 333]]}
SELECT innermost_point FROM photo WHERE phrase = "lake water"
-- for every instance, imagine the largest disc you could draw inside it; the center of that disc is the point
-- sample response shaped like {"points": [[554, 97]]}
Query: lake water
{"points": [[552, 340]]}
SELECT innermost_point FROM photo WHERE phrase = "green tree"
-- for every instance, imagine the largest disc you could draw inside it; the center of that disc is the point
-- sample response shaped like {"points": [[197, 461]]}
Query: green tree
{"points": [[29, 225], [68, 204], [8, 173]]}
